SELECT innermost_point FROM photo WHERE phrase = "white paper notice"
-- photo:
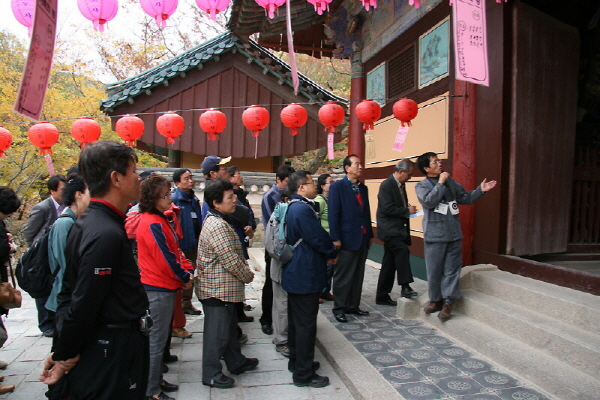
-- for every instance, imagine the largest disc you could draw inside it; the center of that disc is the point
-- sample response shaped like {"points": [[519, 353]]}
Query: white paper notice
{"points": [[470, 41], [400, 138], [32, 91], [417, 214]]}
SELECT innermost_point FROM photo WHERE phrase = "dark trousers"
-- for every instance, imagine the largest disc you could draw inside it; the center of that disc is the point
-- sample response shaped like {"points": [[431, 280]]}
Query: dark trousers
{"points": [[267, 294], [187, 294], [302, 332], [220, 340], [114, 365], [45, 316], [348, 278], [327, 290], [396, 258]]}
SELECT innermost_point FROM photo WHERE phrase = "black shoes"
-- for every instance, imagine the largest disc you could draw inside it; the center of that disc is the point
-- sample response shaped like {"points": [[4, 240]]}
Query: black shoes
{"points": [[315, 366], [164, 369], [192, 311], [387, 302], [358, 311], [168, 387], [161, 396], [267, 329], [171, 358], [48, 333], [246, 318], [317, 381], [222, 382], [250, 363], [408, 293], [341, 317]]}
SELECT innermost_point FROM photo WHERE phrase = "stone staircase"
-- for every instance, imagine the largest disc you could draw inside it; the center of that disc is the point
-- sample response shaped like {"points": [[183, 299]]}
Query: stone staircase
{"points": [[547, 334]]}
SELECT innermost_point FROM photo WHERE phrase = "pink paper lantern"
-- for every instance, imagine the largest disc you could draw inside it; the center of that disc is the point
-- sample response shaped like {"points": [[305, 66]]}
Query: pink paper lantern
{"points": [[321, 5], [373, 3], [270, 6], [413, 3], [160, 10], [213, 7], [23, 11], [98, 11]]}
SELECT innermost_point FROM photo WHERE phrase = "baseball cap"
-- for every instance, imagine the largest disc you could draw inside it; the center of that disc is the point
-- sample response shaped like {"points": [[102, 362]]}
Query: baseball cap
{"points": [[210, 161]]}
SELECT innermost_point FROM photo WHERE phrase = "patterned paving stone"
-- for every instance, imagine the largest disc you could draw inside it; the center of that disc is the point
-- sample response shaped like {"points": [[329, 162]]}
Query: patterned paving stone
{"points": [[472, 365], [521, 393], [373, 347], [420, 355], [360, 336], [382, 360], [399, 375], [420, 390], [459, 386], [496, 380], [438, 370]]}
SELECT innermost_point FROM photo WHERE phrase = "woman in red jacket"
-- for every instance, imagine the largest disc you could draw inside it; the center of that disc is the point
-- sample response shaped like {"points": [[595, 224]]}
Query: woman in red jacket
{"points": [[163, 269]]}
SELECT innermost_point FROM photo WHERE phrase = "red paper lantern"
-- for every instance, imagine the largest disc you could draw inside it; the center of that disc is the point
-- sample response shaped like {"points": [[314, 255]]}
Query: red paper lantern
{"points": [[255, 118], [170, 125], [5, 141], [213, 122], [405, 110], [85, 130], [368, 112], [294, 116], [130, 128], [331, 115], [43, 135]]}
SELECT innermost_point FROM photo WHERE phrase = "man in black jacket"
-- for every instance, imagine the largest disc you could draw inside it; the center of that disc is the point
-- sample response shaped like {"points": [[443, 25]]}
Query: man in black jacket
{"points": [[393, 228], [101, 307]]}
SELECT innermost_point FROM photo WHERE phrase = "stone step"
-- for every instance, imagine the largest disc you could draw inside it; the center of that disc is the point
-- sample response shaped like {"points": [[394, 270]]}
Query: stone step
{"points": [[564, 341], [561, 380], [564, 304]]}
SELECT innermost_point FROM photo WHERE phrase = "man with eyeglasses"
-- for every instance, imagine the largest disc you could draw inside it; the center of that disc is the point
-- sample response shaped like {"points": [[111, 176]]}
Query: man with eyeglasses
{"points": [[440, 195], [393, 228]]}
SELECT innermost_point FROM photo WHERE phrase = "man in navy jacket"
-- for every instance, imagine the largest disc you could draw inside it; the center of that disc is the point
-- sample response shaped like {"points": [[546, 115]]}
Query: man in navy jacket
{"points": [[304, 277], [351, 231]]}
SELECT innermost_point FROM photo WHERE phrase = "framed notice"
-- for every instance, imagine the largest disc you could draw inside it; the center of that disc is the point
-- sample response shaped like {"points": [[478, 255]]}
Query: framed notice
{"points": [[376, 84], [433, 54]]}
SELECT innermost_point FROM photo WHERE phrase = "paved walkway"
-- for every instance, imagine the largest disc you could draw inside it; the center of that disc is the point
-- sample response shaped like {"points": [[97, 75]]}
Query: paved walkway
{"points": [[375, 357]]}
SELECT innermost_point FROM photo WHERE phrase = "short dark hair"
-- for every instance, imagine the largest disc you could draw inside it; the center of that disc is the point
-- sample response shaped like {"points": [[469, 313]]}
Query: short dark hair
{"points": [[214, 191], [177, 174], [322, 180], [151, 189], [232, 170], [284, 171], [54, 182], [74, 184], [424, 160], [9, 201], [296, 179], [99, 159], [348, 162]]}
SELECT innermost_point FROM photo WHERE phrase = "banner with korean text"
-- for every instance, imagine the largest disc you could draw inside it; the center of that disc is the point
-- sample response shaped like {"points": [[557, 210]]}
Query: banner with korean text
{"points": [[470, 41]]}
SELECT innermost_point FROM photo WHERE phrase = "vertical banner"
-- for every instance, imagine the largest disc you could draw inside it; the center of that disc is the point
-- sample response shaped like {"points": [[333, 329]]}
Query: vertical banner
{"points": [[470, 41], [32, 91]]}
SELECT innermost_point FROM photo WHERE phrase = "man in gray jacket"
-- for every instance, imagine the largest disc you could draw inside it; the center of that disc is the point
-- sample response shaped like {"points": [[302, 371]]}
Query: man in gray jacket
{"points": [[440, 195]]}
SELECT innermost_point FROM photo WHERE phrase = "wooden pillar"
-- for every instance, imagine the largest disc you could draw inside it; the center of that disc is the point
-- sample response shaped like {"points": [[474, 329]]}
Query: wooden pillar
{"points": [[174, 159], [356, 134], [463, 158]]}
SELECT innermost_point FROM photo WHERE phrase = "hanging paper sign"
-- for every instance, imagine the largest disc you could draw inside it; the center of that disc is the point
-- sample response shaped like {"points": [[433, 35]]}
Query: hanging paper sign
{"points": [[330, 154], [32, 91], [470, 43], [400, 138]]}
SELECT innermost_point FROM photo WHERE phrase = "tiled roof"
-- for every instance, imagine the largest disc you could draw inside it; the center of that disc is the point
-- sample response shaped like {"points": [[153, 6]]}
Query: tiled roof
{"points": [[127, 89]]}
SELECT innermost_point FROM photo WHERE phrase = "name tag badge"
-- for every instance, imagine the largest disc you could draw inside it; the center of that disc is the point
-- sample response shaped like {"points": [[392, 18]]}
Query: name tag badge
{"points": [[194, 215], [453, 207], [441, 208]]}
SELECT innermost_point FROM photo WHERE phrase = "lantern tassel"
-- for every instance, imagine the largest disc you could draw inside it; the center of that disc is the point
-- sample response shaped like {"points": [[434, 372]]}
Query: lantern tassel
{"points": [[255, 147], [255, 133], [293, 131], [50, 164], [330, 153]]}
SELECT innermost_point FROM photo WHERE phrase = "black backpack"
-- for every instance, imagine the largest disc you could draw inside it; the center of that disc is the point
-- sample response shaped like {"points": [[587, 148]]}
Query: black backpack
{"points": [[33, 269]]}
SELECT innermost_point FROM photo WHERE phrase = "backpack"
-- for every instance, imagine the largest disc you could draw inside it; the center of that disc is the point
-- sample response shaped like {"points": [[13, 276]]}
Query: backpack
{"points": [[33, 269], [275, 234]]}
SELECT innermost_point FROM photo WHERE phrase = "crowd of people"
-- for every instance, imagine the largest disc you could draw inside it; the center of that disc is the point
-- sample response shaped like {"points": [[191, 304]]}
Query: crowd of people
{"points": [[125, 271]]}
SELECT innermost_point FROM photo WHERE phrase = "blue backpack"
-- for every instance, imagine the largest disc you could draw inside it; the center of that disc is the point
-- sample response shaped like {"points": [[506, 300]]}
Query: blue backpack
{"points": [[275, 234]]}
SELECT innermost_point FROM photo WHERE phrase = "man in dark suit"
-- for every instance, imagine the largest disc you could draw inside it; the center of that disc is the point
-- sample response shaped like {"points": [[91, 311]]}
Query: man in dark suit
{"points": [[43, 216], [393, 228], [351, 232]]}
